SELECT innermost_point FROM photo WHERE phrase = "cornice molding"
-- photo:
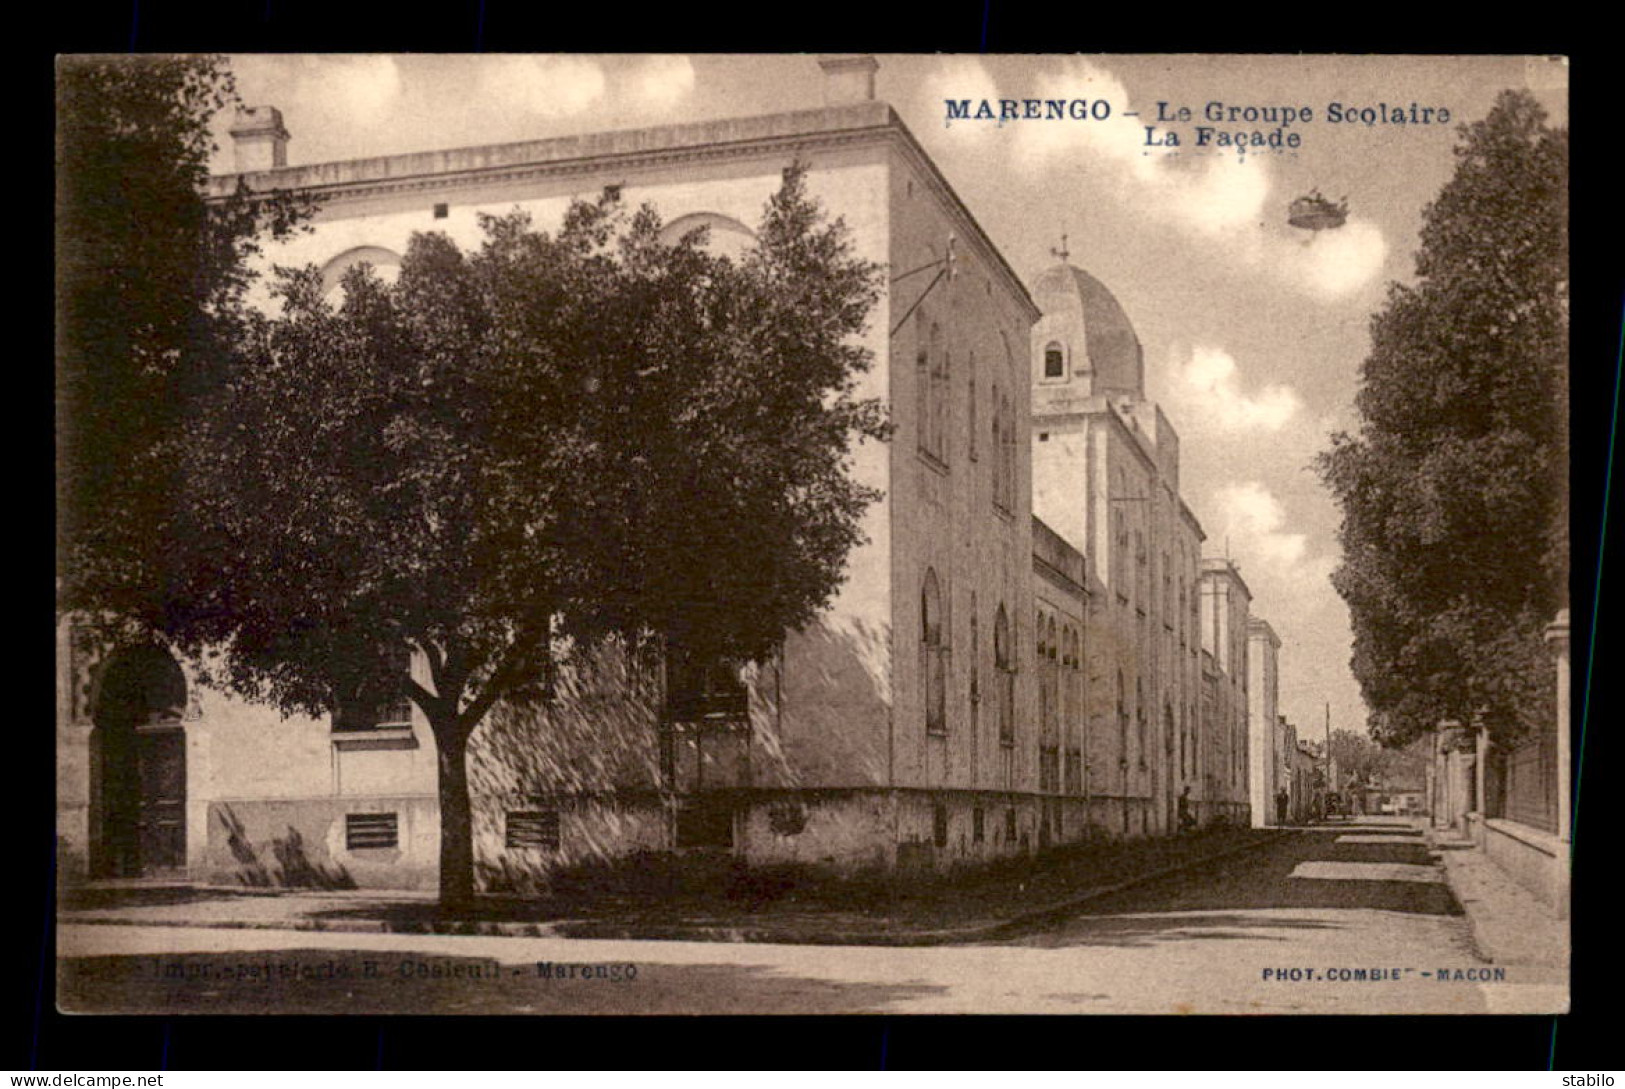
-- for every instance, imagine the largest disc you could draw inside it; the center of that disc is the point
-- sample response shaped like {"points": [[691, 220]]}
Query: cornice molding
{"points": [[874, 123], [338, 194]]}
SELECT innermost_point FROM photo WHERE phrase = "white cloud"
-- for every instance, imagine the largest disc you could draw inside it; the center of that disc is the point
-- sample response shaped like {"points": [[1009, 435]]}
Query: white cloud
{"points": [[1213, 197], [1254, 519], [662, 81], [544, 86], [363, 89], [1225, 200], [957, 77], [1285, 577], [1208, 383], [1337, 262]]}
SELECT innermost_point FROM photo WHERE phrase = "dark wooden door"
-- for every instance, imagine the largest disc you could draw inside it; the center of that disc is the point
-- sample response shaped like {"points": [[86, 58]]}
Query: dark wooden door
{"points": [[161, 821]]}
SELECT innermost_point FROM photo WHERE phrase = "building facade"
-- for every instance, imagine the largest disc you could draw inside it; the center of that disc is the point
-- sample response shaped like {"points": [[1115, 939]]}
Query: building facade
{"points": [[1161, 710], [900, 730], [1264, 764], [1225, 614], [986, 683]]}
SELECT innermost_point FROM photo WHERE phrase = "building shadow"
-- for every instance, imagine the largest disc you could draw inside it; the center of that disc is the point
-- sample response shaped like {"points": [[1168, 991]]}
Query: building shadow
{"points": [[1128, 931], [1263, 881], [294, 868]]}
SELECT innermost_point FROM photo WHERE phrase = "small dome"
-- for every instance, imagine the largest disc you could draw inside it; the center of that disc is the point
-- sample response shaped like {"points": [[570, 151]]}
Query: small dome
{"points": [[1113, 348]]}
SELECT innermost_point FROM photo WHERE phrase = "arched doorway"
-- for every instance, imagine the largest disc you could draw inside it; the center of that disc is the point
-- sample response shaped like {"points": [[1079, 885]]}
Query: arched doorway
{"points": [[138, 761]]}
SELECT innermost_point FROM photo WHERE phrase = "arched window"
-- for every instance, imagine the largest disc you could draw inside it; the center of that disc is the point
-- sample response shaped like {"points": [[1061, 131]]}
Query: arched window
{"points": [[931, 395], [1122, 720], [975, 661], [1051, 680], [997, 453], [1191, 728], [1142, 577], [1166, 605], [1004, 663], [1168, 730], [922, 379], [1054, 361], [1184, 758], [385, 263], [934, 665], [1139, 717], [724, 235], [1004, 472], [1009, 445], [1182, 615], [970, 404], [941, 393]]}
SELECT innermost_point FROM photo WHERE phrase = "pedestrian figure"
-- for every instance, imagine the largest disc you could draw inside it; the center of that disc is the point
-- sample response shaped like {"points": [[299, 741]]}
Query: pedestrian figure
{"points": [[1282, 800], [1187, 820]]}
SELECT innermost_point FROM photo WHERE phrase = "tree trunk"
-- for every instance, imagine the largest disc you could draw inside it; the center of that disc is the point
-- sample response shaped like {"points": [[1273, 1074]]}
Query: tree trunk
{"points": [[456, 818]]}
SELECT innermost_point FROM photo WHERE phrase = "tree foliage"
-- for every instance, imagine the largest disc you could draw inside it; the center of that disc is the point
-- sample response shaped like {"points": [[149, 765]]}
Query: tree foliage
{"points": [[552, 439], [1453, 490], [150, 283], [1362, 761]]}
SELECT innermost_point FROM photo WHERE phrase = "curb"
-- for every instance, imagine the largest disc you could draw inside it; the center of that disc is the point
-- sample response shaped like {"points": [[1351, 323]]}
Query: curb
{"points": [[982, 931], [1049, 914], [589, 929], [1478, 942]]}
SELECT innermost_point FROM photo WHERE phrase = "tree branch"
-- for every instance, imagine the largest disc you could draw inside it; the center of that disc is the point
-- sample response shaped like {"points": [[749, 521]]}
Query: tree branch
{"points": [[508, 670], [437, 661], [432, 705]]}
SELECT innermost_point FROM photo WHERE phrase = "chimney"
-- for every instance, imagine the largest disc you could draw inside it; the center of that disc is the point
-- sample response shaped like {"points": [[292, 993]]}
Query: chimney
{"points": [[260, 141], [848, 78]]}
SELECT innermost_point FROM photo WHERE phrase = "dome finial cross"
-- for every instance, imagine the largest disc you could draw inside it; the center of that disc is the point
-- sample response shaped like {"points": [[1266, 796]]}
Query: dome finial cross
{"points": [[1063, 253]]}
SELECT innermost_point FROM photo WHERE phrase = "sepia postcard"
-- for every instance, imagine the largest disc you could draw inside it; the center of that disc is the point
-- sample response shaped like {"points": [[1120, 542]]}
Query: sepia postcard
{"points": [[812, 534]]}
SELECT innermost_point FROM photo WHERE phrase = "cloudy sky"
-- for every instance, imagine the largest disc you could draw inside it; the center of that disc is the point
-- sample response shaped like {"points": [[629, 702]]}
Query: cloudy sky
{"points": [[1253, 330]]}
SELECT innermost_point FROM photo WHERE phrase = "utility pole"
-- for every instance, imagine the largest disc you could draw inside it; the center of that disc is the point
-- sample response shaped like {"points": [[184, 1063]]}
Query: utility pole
{"points": [[1330, 767]]}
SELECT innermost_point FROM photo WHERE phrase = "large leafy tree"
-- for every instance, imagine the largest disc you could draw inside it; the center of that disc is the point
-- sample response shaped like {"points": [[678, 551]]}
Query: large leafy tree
{"points": [[552, 440], [1453, 490], [150, 284]]}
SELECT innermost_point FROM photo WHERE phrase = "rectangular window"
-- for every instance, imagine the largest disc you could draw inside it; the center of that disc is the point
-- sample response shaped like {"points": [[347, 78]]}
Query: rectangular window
{"points": [[1010, 825], [534, 829], [378, 704], [971, 404], [395, 715], [1054, 362], [939, 825], [702, 690], [1007, 707], [978, 825], [364, 831]]}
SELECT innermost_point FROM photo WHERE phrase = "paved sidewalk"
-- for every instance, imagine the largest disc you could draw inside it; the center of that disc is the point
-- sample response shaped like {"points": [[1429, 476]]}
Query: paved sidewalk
{"points": [[1510, 925], [418, 913]]}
